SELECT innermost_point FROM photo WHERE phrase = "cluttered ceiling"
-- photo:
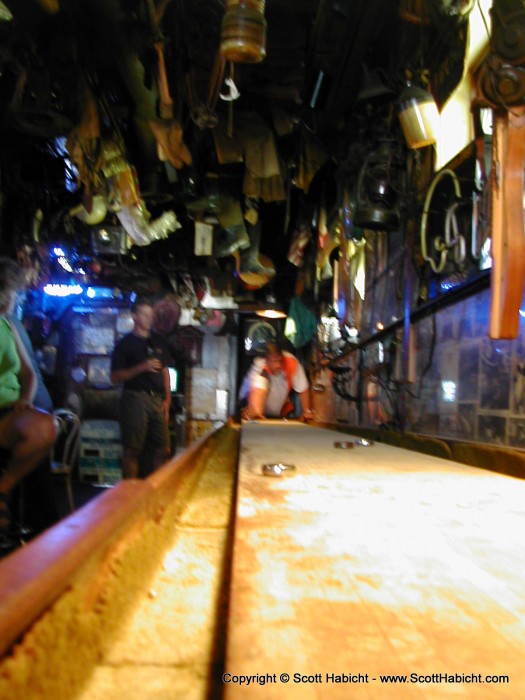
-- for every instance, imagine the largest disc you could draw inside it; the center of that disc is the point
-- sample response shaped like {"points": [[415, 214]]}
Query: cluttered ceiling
{"points": [[146, 139]]}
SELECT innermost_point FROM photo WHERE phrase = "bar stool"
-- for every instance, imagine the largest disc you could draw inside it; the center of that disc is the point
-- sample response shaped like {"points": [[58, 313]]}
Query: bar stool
{"points": [[64, 453], [18, 532]]}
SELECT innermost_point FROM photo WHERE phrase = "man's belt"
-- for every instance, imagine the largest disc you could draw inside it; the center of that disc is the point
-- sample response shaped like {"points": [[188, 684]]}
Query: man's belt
{"points": [[147, 392]]}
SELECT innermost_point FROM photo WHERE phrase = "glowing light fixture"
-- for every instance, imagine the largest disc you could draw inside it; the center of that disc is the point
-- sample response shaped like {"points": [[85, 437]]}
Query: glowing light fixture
{"points": [[419, 117], [448, 389], [65, 264], [62, 290], [272, 308]]}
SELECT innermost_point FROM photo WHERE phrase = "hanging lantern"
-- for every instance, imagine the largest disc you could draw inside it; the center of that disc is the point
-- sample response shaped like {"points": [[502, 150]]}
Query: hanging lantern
{"points": [[418, 116], [379, 186], [243, 32]]}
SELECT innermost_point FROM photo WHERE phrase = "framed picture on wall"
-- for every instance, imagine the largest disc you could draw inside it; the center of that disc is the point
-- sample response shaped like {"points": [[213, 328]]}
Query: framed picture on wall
{"points": [[495, 375], [492, 429], [517, 432]]}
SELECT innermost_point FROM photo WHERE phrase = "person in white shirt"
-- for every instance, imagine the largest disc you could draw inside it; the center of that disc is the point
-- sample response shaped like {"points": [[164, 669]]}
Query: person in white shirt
{"points": [[268, 384]]}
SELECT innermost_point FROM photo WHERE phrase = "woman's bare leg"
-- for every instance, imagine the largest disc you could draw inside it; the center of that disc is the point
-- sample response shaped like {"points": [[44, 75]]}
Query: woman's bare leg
{"points": [[29, 436]]}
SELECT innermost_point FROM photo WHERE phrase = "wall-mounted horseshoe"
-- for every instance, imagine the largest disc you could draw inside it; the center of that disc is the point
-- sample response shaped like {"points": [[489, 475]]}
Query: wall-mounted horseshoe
{"points": [[440, 244]]}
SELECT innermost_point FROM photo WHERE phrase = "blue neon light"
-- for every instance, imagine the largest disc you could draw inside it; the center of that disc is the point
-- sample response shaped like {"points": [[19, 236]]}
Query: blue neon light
{"points": [[63, 290]]}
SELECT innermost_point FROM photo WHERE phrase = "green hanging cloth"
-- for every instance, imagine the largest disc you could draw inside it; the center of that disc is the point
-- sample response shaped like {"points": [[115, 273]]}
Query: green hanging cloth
{"points": [[301, 324]]}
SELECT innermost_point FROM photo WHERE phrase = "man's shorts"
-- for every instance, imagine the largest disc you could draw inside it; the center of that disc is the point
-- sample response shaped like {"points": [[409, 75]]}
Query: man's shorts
{"points": [[142, 422]]}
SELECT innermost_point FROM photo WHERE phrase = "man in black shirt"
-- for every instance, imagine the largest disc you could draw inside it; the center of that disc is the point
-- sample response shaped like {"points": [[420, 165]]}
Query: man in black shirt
{"points": [[140, 362]]}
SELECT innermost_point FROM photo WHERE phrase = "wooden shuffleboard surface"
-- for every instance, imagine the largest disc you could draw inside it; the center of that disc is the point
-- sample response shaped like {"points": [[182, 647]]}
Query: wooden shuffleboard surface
{"points": [[372, 572]]}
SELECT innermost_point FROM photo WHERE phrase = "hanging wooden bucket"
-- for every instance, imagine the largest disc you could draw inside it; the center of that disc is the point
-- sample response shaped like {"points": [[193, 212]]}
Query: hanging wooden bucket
{"points": [[243, 32]]}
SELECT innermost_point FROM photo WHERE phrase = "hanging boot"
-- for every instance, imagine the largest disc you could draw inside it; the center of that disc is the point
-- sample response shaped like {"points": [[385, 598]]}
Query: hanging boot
{"points": [[200, 193], [229, 241], [250, 258], [234, 236]]}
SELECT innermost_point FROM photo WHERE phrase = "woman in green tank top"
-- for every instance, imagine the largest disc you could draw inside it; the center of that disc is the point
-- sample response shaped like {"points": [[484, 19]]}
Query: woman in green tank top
{"points": [[9, 365], [26, 433]]}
